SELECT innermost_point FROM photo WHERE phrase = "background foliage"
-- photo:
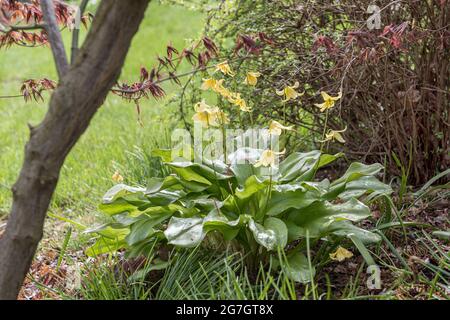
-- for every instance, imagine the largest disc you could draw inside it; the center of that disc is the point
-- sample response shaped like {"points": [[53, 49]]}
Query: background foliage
{"points": [[395, 80]]}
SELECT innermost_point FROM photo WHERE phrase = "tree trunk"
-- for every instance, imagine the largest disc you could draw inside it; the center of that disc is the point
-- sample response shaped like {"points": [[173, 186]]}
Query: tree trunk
{"points": [[73, 104]]}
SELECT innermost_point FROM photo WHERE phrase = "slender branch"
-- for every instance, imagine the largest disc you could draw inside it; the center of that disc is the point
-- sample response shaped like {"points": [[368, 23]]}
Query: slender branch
{"points": [[76, 32], [24, 28], [55, 38], [9, 97], [181, 75]]}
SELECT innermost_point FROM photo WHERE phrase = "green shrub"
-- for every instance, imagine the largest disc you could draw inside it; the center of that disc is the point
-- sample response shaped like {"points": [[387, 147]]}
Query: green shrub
{"points": [[253, 211]]}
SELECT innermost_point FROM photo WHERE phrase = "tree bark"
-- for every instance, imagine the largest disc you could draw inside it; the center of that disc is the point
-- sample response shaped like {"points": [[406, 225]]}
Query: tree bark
{"points": [[73, 104]]}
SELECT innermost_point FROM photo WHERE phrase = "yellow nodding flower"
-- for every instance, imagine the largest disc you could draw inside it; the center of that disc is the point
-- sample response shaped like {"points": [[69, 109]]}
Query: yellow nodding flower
{"points": [[202, 106], [289, 92], [225, 68], [220, 89], [328, 101], [341, 254], [116, 177], [209, 115], [252, 78], [238, 101], [335, 135], [268, 158], [276, 128], [210, 83]]}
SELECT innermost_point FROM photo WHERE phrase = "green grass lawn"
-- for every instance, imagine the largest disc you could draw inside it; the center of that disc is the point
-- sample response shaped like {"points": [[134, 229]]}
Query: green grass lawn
{"points": [[114, 134]]}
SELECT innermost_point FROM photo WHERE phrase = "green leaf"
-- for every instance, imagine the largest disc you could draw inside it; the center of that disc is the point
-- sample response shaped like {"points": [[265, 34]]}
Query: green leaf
{"points": [[155, 185], [346, 229], [190, 171], [294, 231], [280, 230], [284, 198], [357, 171], [303, 166], [105, 245], [266, 238], [143, 229], [119, 191], [164, 197], [185, 232], [117, 207], [122, 198], [365, 185], [109, 231], [242, 163], [140, 231], [190, 175], [297, 268], [219, 222], [252, 185], [318, 217]]}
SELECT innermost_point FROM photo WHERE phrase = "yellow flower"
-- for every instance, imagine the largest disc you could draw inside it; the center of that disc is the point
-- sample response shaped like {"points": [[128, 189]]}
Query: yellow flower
{"points": [[328, 101], [341, 254], [237, 100], [209, 115], [224, 92], [210, 83], [289, 92], [202, 106], [335, 135], [252, 78], [268, 158], [117, 177], [224, 67], [276, 128], [217, 87]]}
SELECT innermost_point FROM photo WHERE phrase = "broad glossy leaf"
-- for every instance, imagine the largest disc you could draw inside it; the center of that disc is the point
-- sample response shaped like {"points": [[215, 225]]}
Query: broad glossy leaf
{"points": [[266, 238], [365, 185], [287, 197], [215, 221], [140, 231], [346, 229], [119, 191], [164, 197], [109, 231], [241, 163], [294, 231], [144, 228], [122, 198], [297, 268], [252, 185], [105, 245], [319, 216], [303, 166], [188, 174], [185, 232], [357, 172], [157, 184], [201, 173], [280, 229]]}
